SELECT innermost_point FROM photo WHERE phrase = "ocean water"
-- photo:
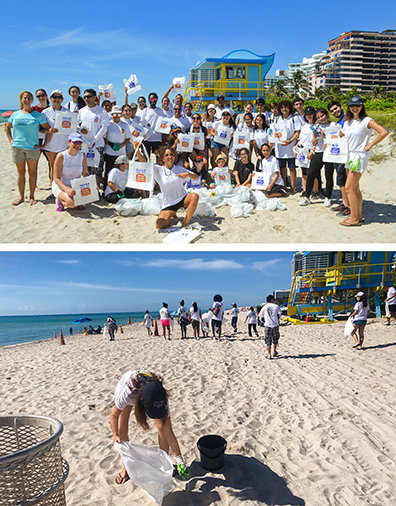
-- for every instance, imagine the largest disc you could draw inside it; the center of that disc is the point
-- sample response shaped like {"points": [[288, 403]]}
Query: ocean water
{"points": [[24, 329], [2, 118]]}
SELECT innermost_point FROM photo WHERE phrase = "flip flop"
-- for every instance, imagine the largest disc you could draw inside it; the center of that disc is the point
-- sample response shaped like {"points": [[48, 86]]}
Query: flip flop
{"points": [[121, 479], [356, 345], [346, 224]]}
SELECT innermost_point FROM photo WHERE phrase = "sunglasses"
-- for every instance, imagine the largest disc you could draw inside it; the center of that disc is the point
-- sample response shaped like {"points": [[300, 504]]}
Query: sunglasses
{"points": [[57, 97], [41, 96], [197, 118], [142, 102], [78, 143], [88, 96]]}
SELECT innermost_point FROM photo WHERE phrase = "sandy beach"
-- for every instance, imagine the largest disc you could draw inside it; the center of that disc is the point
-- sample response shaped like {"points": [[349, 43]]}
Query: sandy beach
{"points": [[315, 426], [101, 224]]}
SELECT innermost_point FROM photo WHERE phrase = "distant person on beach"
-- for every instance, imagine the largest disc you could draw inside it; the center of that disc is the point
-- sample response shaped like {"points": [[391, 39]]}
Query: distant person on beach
{"points": [[112, 327], [390, 303], [148, 321], [165, 320], [271, 314], [182, 319], [143, 392], [195, 315], [71, 331], [22, 131], [206, 322], [359, 319], [217, 316], [77, 102], [251, 318], [358, 128], [69, 164], [234, 316]]}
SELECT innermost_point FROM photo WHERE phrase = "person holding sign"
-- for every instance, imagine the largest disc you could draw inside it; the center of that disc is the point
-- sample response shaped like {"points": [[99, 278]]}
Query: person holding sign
{"points": [[54, 142], [69, 164], [220, 173], [269, 179], [358, 128], [199, 139], [222, 133]]}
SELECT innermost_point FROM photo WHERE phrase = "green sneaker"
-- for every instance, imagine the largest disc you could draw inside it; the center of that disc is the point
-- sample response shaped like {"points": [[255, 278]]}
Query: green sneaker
{"points": [[183, 471]]}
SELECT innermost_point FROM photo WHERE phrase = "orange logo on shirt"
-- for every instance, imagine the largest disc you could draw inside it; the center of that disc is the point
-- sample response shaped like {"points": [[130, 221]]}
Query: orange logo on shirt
{"points": [[241, 141], [222, 177], [140, 178], [85, 192], [66, 123]]}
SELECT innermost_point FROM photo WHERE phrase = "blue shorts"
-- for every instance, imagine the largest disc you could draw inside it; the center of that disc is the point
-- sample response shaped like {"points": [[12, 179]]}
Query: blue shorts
{"points": [[359, 323], [291, 163], [217, 145], [341, 174]]}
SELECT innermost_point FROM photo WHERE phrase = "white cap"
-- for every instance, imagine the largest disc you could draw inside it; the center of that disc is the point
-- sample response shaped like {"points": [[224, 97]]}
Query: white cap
{"points": [[211, 106], [116, 109], [53, 92], [359, 294]]}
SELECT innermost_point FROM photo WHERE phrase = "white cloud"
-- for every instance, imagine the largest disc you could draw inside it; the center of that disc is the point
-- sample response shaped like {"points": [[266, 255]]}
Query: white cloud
{"points": [[266, 265], [68, 262], [118, 288], [195, 264]]}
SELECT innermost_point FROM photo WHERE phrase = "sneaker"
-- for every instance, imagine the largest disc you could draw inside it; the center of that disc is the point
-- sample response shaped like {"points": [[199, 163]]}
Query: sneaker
{"points": [[339, 208], [268, 356], [304, 202], [345, 212], [387, 324], [327, 202], [59, 207], [275, 354], [183, 471], [315, 196]]}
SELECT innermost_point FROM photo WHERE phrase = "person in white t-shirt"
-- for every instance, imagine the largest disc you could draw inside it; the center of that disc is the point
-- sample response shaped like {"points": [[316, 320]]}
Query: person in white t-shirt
{"points": [[150, 117], [195, 315], [148, 322], [117, 180], [221, 173], [234, 316], [358, 128], [116, 138], [77, 102], [221, 107], [251, 319], [390, 303], [217, 316], [182, 318], [142, 105], [359, 319], [222, 132], [299, 114], [165, 320], [143, 392], [206, 322], [260, 109], [307, 140], [260, 133], [178, 119], [271, 314], [273, 184]]}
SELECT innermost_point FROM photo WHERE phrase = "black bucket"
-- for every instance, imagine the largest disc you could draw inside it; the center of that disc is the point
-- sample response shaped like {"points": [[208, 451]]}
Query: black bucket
{"points": [[212, 450]]}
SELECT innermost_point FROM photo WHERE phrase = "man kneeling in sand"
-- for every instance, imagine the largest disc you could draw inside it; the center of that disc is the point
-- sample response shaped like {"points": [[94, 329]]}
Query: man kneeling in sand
{"points": [[271, 315]]}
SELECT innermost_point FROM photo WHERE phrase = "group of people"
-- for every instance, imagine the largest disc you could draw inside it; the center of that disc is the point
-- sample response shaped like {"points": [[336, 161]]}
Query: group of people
{"points": [[107, 132]]}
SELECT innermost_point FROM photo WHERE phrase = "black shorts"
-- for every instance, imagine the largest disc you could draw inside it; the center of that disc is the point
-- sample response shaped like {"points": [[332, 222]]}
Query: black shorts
{"points": [[176, 206], [195, 324], [392, 308], [277, 188], [216, 324], [271, 335]]}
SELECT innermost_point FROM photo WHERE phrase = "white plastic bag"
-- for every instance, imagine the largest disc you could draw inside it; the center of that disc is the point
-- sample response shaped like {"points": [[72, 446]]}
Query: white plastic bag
{"points": [[138, 131], [140, 175], [179, 84], [93, 156], [302, 159], [151, 206], [260, 181], [273, 204], [148, 467], [86, 190], [205, 209], [242, 209], [337, 150], [185, 144], [66, 122], [277, 133], [132, 84], [108, 92], [348, 327], [128, 207], [163, 125]]}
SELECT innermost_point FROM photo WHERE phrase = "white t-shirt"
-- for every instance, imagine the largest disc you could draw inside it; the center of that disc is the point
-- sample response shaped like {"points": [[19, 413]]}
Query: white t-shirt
{"points": [[219, 316], [286, 151], [117, 133], [119, 178], [96, 121], [306, 136], [299, 120], [195, 315], [271, 313], [391, 293], [234, 311], [148, 320], [164, 313], [139, 114], [223, 131], [72, 167], [260, 136], [72, 106], [172, 187], [181, 122], [124, 393], [361, 311], [58, 142], [321, 140], [219, 111], [269, 166], [151, 117], [182, 313], [252, 317], [358, 134]]}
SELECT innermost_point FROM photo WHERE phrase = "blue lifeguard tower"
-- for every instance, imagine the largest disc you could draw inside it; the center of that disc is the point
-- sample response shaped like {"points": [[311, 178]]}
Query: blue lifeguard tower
{"points": [[238, 75], [324, 283]]}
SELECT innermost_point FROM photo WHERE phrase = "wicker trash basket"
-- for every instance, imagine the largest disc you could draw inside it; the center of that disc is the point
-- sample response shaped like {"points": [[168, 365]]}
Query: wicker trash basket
{"points": [[32, 470]]}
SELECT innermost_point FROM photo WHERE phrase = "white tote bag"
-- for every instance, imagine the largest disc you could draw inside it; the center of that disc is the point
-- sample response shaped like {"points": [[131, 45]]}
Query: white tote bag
{"points": [[66, 122], [138, 132], [302, 159], [222, 176], [108, 92], [186, 142], [241, 139], [223, 134], [86, 190], [140, 175], [92, 154], [336, 150], [179, 84], [259, 181], [199, 141], [277, 133], [132, 84], [163, 125]]}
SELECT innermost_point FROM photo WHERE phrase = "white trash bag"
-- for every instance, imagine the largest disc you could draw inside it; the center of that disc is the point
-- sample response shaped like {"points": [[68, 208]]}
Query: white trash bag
{"points": [[128, 207], [108, 92], [148, 467], [273, 204], [132, 84], [348, 327], [205, 209], [241, 210], [151, 206], [179, 84]]}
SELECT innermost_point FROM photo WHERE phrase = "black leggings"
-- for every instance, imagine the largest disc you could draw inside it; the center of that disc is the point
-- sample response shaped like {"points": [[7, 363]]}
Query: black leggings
{"points": [[183, 327], [252, 326], [314, 172]]}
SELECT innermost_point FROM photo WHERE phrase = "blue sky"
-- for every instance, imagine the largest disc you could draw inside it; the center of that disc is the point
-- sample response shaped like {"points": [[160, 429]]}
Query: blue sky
{"points": [[56, 44], [74, 282]]}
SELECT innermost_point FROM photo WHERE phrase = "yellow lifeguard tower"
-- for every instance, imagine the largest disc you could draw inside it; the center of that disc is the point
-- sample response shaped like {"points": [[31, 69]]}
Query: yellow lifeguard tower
{"points": [[329, 287], [239, 76]]}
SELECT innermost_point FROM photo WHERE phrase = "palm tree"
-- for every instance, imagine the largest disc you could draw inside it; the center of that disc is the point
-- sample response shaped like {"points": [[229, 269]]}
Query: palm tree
{"points": [[320, 93], [298, 82], [280, 90]]}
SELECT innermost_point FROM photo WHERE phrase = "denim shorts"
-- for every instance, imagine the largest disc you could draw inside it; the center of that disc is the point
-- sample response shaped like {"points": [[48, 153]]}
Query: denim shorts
{"points": [[359, 323], [217, 145], [291, 163]]}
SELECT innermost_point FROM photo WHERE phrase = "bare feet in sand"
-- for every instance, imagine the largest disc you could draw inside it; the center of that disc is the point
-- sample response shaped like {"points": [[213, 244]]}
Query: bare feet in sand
{"points": [[33, 202]]}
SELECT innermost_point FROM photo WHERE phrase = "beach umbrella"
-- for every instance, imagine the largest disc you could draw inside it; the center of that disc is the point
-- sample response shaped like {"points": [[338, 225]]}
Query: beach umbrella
{"points": [[6, 114], [82, 320]]}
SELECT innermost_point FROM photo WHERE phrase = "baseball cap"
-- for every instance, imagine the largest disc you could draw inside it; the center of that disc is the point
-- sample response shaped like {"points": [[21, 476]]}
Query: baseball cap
{"points": [[270, 297], [309, 110], [56, 92], [221, 156], [116, 109], [121, 159], [198, 159], [219, 95], [176, 128], [155, 400], [133, 105], [359, 294], [211, 106], [356, 100], [75, 137]]}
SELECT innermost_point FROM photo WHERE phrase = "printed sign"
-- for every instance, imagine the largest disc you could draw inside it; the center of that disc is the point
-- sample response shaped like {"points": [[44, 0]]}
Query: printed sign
{"points": [[86, 190], [66, 122]]}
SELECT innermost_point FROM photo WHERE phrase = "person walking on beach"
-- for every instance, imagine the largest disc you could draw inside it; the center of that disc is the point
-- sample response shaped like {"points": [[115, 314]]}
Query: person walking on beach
{"points": [[148, 321], [111, 326], [165, 320], [251, 318], [196, 319], [271, 315], [143, 392], [206, 321], [359, 319], [234, 316], [182, 319], [390, 303], [217, 316]]}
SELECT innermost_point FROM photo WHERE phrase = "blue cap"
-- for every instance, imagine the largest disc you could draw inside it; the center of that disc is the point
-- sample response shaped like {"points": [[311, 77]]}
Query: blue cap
{"points": [[155, 400], [75, 137]]}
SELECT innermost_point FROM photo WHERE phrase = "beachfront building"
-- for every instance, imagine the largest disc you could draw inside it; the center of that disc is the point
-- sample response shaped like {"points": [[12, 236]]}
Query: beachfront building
{"points": [[357, 58], [271, 80], [238, 75], [326, 282]]}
